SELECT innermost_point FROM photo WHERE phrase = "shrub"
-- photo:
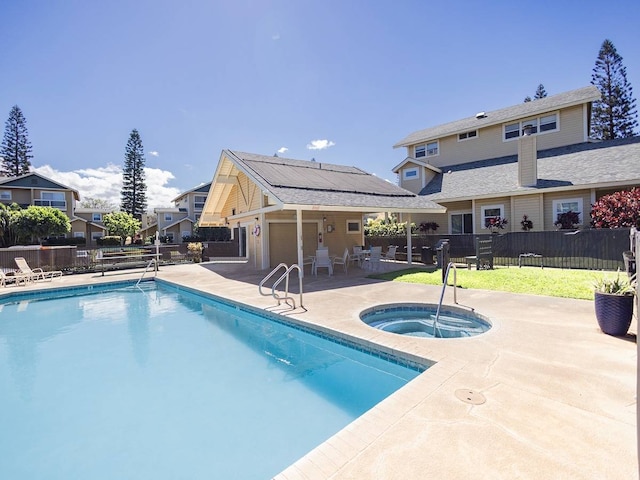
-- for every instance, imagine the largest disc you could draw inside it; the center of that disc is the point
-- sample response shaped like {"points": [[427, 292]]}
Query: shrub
{"points": [[526, 223], [389, 228], [109, 240], [495, 223], [567, 220], [428, 226], [617, 210]]}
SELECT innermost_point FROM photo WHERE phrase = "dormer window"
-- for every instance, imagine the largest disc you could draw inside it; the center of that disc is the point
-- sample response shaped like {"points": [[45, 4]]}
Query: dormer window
{"points": [[427, 150]]}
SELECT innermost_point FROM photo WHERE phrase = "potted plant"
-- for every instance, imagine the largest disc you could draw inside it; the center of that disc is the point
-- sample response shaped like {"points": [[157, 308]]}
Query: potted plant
{"points": [[614, 299], [526, 223]]}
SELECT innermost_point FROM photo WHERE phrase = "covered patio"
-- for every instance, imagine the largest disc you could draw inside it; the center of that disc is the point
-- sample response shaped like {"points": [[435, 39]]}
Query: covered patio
{"points": [[285, 209]]}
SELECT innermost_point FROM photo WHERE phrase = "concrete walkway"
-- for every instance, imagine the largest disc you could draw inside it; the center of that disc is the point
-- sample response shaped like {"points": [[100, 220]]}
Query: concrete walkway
{"points": [[543, 395]]}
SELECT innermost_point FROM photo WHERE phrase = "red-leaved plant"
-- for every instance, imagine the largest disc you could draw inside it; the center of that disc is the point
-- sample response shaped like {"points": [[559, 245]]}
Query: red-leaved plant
{"points": [[617, 210]]}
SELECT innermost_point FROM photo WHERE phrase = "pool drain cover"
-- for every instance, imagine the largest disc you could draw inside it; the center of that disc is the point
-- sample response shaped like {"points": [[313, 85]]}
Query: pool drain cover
{"points": [[471, 397]]}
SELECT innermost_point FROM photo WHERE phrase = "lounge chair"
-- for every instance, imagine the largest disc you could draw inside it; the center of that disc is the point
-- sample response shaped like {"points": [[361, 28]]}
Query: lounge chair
{"points": [[16, 277], [322, 260], [35, 273], [344, 260]]}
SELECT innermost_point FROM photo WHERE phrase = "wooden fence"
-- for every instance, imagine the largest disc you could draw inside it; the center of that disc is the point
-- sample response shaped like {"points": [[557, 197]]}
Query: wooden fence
{"points": [[592, 249]]}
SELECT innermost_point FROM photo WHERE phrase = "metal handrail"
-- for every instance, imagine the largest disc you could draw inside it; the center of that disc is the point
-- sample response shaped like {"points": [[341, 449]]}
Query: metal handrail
{"points": [[146, 269], [284, 276], [444, 287]]}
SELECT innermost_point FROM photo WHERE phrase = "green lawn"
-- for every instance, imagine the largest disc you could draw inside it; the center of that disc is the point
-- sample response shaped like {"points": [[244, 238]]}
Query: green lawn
{"points": [[553, 282]]}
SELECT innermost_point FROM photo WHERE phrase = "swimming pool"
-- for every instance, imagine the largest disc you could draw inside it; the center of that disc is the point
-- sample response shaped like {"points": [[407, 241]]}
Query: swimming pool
{"points": [[157, 382]]}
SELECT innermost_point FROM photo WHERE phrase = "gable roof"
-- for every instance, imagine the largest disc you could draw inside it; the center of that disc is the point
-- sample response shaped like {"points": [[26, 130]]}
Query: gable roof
{"points": [[584, 165], [420, 163], [35, 180], [202, 188], [522, 110], [309, 185]]}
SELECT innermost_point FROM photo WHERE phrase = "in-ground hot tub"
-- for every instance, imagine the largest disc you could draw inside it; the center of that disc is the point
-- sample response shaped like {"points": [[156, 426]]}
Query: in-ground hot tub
{"points": [[417, 320]]}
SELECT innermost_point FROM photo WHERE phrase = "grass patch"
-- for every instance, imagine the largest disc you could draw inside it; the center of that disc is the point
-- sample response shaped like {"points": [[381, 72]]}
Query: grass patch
{"points": [[552, 282]]}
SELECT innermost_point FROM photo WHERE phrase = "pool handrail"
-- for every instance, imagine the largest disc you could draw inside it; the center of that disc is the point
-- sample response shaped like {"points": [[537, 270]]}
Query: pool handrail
{"points": [[444, 287], [284, 276]]}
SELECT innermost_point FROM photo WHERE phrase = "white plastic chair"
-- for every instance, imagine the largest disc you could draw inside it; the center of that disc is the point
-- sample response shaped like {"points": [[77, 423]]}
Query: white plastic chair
{"points": [[373, 260], [344, 260], [390, 254], [357, 256], [322, 261]]}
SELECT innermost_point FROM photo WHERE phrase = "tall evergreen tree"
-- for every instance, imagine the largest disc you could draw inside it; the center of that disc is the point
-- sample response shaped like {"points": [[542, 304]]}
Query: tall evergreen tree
{"points": [[16, 148], [614, 115], [134, 189], [540, 92]]}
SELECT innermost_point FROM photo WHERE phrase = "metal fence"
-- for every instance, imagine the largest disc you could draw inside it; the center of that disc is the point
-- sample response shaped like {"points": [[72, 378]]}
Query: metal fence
{"points": [[591, 249], [72, 259]]}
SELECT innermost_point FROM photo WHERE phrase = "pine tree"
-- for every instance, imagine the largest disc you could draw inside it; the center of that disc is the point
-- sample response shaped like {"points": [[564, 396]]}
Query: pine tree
{"points": [[540, 92], [16, 148], [134, 189], [614, 115]]}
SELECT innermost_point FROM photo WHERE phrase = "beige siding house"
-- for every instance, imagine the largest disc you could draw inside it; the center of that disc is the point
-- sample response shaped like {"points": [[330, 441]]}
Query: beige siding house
{"points": [[534, 159], [284, 209]]}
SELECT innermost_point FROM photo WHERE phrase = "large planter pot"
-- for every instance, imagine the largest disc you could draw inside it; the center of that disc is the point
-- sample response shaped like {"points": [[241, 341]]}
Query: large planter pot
{"points": [[614, 312]]}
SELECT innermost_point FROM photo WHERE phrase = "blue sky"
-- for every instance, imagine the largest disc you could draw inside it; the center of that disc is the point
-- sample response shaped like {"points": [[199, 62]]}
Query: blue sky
{"points": [[340, 81]]}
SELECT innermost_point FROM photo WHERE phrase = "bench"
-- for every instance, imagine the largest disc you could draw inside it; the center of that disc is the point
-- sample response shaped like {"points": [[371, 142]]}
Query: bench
{"points": [[530, 255], [125, 259], [483, 257]]}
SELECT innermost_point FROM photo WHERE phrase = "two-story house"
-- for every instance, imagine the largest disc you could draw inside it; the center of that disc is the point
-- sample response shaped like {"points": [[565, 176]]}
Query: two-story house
{"points": [[87, 223], [534, 159], [35, 189], [179, 221]]}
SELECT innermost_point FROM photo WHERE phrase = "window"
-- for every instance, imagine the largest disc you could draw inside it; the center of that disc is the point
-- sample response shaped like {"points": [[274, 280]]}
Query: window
{"points": [[198, 202], [52, 199], [539, 125], [410, 173], [491, 211], [428, 150], [5, 195], [186, 233], [168, 217], [567, 205], [96, 235], [78, 234], [468, 135], [97, 217], [461, 222], [548, 123], [354, 226], [169, 236]]}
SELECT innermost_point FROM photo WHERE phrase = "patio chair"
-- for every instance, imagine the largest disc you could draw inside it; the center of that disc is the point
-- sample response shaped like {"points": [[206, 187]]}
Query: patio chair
{"points": [[357, 256], [35, 273], [344, 260], [390, 254], [372, 262], [322, 261]]}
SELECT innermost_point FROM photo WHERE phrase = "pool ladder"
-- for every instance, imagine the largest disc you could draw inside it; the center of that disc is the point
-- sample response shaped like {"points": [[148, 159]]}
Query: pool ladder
{"points": [[146, 269], [444, 287], [285, 277]]}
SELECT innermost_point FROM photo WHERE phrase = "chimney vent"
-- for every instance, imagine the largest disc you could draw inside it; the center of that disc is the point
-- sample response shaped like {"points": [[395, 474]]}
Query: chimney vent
{"points": [[480, 115]]}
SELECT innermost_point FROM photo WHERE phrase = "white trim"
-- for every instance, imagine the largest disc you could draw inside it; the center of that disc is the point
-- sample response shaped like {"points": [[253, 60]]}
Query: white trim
{"points": [[406, 171], [559, 201], [466, 133], [352, 221], [483, 209], [522, 122], [460, 212]]}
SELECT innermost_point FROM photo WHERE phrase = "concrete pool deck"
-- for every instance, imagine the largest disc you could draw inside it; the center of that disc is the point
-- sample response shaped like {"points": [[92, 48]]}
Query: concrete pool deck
{"points": [[543, 394]]}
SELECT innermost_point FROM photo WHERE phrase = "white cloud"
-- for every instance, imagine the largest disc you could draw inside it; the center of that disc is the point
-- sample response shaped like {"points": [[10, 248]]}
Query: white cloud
{"points": [[106, 183], [282, 149], [154, 153], [320, 144]]}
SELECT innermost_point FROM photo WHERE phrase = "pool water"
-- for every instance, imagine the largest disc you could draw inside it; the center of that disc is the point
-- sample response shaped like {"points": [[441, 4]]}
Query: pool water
{"points": [[160, 383], [418, 320]]}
